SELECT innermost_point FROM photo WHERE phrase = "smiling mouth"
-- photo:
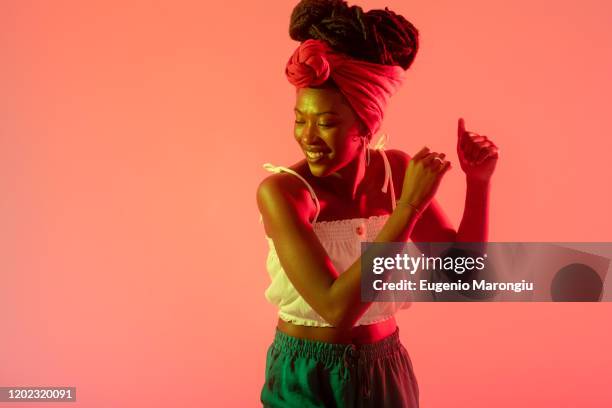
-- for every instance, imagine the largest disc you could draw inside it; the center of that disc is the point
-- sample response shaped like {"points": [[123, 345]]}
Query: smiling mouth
{"points": [[315, 156]]}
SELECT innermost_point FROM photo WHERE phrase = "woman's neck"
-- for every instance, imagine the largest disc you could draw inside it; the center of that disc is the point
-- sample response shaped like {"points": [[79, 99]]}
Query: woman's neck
{"points": [[347, 182]]}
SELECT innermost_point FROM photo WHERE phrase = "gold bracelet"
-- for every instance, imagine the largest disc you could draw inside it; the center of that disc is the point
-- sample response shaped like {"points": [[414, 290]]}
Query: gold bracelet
{"points": [[417, 210]]}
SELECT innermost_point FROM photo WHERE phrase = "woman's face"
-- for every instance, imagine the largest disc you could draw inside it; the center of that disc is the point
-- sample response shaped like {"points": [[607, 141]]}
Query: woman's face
{"points": [[326, 129]]}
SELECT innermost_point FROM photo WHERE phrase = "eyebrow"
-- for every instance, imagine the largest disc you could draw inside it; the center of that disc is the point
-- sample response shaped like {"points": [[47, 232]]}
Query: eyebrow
{"points": [[319, 113]]}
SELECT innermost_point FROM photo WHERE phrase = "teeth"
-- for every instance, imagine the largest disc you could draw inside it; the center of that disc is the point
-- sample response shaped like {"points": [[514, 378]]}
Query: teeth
{"points": [[314, 155]]}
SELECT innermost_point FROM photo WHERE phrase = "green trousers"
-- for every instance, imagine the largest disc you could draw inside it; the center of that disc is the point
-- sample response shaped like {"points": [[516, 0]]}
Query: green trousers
{"points": [[305, 373]]}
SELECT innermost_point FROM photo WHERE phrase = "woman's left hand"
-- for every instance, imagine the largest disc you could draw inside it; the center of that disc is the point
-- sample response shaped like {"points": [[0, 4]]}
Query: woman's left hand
{"points": [[477, 154]]}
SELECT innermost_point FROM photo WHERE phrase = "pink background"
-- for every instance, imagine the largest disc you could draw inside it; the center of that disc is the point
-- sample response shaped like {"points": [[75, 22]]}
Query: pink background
{"points": [[132, 136]]}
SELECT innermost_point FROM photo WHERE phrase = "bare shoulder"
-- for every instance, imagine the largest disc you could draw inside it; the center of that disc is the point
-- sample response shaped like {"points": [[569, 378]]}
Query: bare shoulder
{"points": [[283, 185], [398, 159], [281, 196]]}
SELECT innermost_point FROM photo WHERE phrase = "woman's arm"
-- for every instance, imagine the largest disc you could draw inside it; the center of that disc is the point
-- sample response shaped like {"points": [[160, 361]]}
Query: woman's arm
{"points": [[335, 297], [477, 156], [475, 220], [433, 225]]}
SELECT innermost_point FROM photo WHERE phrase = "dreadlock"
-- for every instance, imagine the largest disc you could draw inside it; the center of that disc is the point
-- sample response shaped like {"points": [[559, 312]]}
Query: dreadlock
{"points": [[379, 36]]}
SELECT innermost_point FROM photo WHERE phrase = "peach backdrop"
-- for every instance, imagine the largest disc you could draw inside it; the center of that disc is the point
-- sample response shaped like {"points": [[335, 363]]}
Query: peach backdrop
{"points": [[131, 141]]}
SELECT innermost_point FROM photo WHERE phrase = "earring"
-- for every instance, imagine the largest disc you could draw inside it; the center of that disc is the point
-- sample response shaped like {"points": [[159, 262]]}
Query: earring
{"points": [[366, 151]]}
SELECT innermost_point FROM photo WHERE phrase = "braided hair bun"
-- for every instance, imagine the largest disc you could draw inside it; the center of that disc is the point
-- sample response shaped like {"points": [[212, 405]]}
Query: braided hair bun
{"points": [[378, 36]]}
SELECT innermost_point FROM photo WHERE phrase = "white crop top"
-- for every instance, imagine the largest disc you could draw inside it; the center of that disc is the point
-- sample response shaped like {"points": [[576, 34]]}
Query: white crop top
{"points": [[342, 241]]}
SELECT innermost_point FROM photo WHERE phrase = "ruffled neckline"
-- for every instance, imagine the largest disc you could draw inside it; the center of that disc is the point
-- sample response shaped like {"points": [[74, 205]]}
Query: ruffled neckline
{"points": [[350, 221], [348, 228]]}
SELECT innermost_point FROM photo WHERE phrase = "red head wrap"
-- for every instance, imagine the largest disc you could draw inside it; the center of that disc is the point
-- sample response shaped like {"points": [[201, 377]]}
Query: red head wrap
{"points": [[367, 86]]}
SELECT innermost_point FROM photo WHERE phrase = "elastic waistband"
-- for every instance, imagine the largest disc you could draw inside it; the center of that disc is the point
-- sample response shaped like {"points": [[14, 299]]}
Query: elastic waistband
{"points": [[337, 352]]}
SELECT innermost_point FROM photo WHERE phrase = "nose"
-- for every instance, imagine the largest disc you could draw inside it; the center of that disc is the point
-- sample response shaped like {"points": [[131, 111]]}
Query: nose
{"points": [[308, 133]]}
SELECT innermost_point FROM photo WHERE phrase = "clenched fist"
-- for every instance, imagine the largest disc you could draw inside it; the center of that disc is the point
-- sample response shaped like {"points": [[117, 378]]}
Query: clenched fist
{"points": [[422, 178]]}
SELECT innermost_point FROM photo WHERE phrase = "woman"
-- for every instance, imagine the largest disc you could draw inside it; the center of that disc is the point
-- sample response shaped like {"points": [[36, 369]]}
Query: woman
{"points": [[331, 349]]}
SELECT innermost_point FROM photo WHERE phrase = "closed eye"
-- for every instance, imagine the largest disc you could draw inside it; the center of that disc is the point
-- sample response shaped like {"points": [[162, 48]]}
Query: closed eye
{"points": [[325, 125]]}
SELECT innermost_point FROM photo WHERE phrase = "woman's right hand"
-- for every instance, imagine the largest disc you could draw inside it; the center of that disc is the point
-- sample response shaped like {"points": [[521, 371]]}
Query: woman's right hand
{"points": [[422, 178]]}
